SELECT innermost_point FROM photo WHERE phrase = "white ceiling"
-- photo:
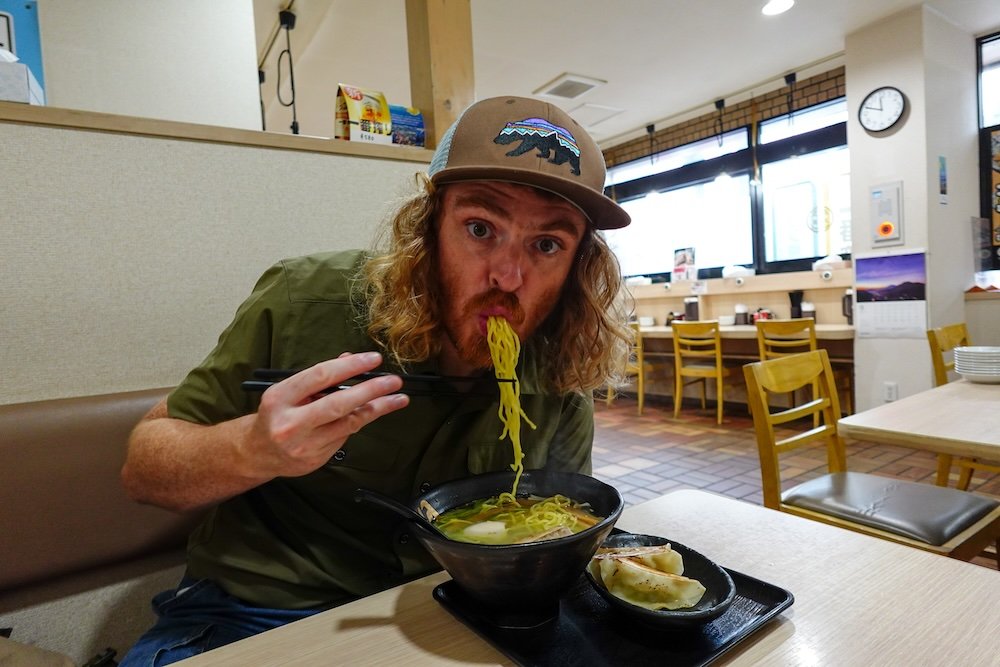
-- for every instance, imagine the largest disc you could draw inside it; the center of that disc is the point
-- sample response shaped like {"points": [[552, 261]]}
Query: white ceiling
{"points": [[663, 60]]}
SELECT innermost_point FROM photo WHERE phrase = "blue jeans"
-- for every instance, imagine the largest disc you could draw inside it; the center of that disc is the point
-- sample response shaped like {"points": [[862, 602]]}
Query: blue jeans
{"points": [[198, 616]]}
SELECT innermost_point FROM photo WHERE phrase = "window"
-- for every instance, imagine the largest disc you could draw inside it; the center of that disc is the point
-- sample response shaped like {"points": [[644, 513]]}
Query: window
{"points": [[988, 259], [815, 118], [989, 80], [807, 206], [696, 216], [698, 151], [702, 195]]}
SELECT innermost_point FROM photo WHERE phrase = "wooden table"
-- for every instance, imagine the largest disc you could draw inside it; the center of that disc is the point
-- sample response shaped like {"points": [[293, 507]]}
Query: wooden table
{"points": [[960, 418], [859, 600]]}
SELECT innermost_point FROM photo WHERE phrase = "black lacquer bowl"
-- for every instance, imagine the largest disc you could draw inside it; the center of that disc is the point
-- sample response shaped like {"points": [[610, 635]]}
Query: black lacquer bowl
{"points": [[525, 579], [719, 588]]}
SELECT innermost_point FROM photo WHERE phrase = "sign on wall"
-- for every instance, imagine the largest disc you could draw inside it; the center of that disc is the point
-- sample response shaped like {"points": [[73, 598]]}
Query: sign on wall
{"points": [[19, 34]]}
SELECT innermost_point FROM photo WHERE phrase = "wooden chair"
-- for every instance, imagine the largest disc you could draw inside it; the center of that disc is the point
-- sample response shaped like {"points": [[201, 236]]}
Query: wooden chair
{"points": [[698, 358], [636, 367], [942, 520], [780, 338], [942, 341]]}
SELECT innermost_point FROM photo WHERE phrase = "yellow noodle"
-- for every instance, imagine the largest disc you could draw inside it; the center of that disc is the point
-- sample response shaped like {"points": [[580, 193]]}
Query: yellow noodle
{"points": [[505, 348]]}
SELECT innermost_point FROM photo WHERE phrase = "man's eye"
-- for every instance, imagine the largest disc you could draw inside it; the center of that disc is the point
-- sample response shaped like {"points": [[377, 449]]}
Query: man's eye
{"points": [[548, 246], [478, 229]]}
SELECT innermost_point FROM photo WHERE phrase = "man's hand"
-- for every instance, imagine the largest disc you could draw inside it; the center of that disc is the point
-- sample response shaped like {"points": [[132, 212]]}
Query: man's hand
{"points": [[180, 465], [298, 428]]}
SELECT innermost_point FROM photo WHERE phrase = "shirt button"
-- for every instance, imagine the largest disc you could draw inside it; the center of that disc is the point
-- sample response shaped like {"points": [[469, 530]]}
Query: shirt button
{"points": [[404, 539], [425, 487], [340, 455]]}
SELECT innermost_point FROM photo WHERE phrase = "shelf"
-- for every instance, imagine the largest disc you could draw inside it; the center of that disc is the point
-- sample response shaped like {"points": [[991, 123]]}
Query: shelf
{"points": [[45, 116]]}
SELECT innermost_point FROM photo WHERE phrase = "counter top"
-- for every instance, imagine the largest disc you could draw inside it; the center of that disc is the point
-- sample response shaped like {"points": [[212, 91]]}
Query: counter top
{"points": [[823, 331]]}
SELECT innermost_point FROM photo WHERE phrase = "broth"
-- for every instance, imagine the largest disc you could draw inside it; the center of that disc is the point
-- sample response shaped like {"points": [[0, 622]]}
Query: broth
{"points": [[505, 519]]}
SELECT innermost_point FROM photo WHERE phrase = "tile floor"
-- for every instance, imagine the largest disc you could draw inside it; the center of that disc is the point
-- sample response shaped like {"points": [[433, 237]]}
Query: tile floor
{"points": [[649, 455]]}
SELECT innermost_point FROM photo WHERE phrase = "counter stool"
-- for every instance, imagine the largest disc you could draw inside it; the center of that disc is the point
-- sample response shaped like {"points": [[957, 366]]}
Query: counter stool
{"points": [[698, 357], [636, 367], [779, 338]]}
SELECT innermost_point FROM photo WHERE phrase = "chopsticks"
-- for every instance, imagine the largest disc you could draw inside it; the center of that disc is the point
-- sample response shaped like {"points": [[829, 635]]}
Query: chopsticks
{"points": [[433, 385]]}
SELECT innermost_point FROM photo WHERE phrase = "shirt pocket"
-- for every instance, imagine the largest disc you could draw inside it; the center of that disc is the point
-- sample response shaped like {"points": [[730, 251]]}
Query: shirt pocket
{"points": [[363, 454]]}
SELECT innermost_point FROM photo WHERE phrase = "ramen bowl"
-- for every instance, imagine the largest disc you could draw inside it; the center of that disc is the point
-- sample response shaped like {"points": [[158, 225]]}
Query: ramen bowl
{"points": [[518, 577]]}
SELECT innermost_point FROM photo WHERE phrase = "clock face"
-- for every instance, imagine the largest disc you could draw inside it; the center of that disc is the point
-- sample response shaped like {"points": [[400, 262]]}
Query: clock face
{"points": [[881, 109]]}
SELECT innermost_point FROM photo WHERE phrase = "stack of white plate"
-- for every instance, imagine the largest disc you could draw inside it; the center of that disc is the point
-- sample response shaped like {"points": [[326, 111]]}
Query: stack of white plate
{"points": [[978, 363]]}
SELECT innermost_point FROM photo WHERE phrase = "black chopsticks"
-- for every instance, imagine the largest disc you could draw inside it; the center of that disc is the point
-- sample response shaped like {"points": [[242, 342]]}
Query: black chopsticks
{"points": [[413, 384]]}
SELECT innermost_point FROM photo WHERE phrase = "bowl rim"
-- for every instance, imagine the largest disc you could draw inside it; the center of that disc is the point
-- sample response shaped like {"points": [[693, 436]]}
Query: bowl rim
{"points": [[664, 616], [606, 523]]}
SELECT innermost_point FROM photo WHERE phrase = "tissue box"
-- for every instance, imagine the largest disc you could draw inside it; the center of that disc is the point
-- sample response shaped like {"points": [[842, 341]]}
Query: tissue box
{"points": [[18, 84]]}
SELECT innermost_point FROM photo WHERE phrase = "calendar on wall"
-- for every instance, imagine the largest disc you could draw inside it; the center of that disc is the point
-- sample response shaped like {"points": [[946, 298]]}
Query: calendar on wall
{"points": [[891, 295]]}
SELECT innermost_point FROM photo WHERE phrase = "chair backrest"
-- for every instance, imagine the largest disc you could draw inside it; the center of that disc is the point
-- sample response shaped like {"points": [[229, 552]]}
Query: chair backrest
{"points": [[779, 338], [697, 342], [635, 358], [942, 341], [781, 376]]}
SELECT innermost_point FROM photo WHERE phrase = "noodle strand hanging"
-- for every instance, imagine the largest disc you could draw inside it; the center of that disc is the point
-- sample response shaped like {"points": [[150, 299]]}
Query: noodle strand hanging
{"points": [[505, 348]]}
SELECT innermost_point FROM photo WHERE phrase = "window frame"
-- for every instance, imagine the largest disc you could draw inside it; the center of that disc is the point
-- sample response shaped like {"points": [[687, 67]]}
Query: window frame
{"points": [[740, 163]]}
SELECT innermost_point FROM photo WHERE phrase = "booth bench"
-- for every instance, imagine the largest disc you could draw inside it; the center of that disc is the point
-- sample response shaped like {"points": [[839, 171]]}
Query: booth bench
{"points": [[79, 560]]}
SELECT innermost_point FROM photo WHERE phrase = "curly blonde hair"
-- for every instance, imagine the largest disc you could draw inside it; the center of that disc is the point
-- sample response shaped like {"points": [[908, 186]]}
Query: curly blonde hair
{"points": [[581, 346]]}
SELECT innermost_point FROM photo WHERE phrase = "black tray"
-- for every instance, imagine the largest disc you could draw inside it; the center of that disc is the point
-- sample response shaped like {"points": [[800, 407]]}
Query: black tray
{"points": [[587, 631]]}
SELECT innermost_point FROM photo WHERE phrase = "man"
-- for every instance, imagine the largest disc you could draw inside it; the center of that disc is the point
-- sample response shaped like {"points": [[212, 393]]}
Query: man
{"points": [[506, 225]]}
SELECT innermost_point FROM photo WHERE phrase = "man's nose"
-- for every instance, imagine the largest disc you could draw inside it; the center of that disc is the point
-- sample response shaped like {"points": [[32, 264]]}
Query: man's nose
{"points": [[506, 269]]}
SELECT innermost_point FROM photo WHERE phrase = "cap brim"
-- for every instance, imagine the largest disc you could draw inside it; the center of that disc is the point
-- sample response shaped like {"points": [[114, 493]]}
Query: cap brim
{"points": [[602, 211]]}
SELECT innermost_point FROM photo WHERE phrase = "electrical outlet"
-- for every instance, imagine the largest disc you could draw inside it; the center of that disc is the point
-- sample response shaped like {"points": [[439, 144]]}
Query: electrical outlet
{"points": [[890, 391]]}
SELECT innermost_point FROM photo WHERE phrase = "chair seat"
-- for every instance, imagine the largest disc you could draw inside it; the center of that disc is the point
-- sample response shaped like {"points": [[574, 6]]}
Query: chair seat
{"points": [[923, 512]]}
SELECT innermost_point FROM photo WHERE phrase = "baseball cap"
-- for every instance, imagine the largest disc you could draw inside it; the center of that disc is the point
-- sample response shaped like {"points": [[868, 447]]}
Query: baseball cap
{"points": [[530, 142]]}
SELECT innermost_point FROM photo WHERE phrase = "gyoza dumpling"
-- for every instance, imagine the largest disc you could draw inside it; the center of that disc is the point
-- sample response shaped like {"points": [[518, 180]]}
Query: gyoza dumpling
{"points": [[647, 587], [661, 557]]}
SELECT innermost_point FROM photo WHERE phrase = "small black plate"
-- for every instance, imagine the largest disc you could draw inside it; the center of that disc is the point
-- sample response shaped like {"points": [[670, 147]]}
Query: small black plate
{"points": [[719, 588], [587, 631]]}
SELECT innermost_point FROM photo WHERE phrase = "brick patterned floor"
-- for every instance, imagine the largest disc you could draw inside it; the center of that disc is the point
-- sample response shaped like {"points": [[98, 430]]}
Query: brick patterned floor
{"points": [[649, 455]]}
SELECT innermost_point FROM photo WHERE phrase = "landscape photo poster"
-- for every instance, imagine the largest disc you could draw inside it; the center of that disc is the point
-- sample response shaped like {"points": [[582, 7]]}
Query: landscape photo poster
{"points": [[891, 295]]}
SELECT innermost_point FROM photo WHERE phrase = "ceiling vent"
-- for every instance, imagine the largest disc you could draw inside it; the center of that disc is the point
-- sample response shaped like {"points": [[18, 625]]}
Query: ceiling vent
{"points": [[569, 86]]}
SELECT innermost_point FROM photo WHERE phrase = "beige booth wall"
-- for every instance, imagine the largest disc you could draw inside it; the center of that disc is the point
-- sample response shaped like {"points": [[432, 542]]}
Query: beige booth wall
{"points": [[124, 256]]}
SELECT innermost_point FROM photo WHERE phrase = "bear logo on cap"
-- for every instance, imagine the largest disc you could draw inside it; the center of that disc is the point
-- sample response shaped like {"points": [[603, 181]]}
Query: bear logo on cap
{"points": [[554, 143]]}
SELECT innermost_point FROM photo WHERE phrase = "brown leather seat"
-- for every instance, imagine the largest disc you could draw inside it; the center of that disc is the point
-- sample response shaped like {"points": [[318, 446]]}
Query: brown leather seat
{"points": [[64, 506]]}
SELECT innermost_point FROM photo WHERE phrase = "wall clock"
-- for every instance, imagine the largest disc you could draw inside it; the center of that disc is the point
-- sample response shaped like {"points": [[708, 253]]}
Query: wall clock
{"points": [[882, 109]]}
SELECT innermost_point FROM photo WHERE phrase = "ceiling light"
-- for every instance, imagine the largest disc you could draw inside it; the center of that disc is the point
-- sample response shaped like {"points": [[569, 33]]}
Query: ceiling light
{"points": [[775, 7], [569, 86]]}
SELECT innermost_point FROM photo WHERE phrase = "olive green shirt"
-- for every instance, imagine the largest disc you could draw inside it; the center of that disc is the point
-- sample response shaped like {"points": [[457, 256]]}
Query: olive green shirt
{"points": [[301, 542]]}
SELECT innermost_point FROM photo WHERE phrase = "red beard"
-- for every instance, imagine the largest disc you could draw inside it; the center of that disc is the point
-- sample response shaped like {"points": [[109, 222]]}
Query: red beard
{"points": [[471, 344]]}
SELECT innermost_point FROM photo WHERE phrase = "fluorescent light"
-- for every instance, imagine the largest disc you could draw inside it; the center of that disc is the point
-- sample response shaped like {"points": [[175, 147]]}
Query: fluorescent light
{"points": [[775, 7]]}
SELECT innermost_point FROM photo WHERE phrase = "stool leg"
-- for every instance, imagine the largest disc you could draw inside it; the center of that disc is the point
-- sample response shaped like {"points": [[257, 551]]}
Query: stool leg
{"points": [[678, 391], [718, 400], [641, 388]]}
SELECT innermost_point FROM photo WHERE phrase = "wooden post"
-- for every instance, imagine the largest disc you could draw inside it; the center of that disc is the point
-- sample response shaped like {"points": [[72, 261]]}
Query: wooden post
{"points": [[442, 82]]}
